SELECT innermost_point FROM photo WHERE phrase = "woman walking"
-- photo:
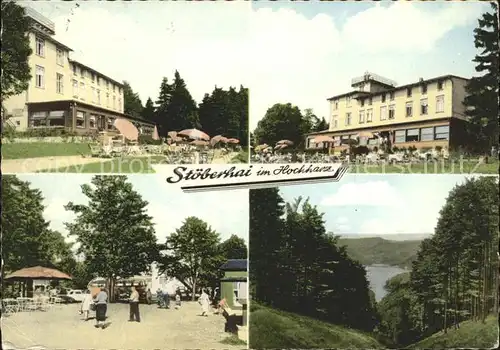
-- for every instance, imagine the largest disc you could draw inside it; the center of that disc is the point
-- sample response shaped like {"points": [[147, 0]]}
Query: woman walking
{"points": [[85, 308], [134, 306], [204, 302], [101, 306]]}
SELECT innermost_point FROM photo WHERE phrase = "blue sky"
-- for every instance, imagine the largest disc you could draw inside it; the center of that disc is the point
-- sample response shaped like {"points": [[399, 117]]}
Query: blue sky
{"points": [[315, 48], [225, 212], [374, 205]]}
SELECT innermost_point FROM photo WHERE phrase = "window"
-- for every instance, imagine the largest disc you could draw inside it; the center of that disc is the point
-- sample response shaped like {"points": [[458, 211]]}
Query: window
{"points": [[107, 84], [383, 113], [60, 57], [423, 106], [408, 92], [98, 97], [335, 122], [120, 104], [93, 121], [440, 85], [107, 99], [114, 102], [111, 122], [82, 72], [80, 119], [40, 46], [383, 98], [362, 102], [391, 96], [59, 83], [82, 90], [348, 119], [40, 77], [400, 136], [335, 104], [361, 117], [39, 119], [409, 109], [348, 101], [56, 118], [75, 88], [412, 135], [442, 132], [92, 76], [427, 134], [370, 101], [424, 89], [440, 104], [93, 95], [392, 111], [114, 88], [74, 68], [369, 115], [98, 80]]}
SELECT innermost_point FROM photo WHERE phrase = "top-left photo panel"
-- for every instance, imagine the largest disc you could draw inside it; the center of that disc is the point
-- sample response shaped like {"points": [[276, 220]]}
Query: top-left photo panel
{"points": [[119, 87]]}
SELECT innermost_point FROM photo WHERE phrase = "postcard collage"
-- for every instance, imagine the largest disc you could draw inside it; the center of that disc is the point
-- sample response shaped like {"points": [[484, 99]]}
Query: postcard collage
{"points": [[250, 175]]}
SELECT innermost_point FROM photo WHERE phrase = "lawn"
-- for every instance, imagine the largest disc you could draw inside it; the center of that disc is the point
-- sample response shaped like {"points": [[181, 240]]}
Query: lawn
{"points": [[43, 149], [470, 335], [117, 165], [273, 329], [241, 157], [439, 167]]}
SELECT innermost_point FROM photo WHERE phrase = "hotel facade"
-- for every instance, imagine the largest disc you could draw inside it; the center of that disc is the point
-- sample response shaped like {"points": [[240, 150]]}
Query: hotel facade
{"points": [[425, 114], [64, 93]]}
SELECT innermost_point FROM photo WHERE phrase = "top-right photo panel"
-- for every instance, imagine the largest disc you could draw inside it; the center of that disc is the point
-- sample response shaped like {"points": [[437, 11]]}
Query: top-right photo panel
{"points": [[385, 87]]}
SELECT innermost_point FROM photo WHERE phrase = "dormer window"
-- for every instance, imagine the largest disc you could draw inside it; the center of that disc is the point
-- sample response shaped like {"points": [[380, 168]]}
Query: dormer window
{"points": [[383, 98], [440, 85]]}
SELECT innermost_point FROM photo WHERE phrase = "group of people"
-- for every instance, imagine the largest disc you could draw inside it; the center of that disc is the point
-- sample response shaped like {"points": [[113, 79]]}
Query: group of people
{"points": [[97, 303]]}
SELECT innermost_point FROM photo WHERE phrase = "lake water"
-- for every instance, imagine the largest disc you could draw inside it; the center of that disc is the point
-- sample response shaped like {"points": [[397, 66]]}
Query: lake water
{"points": [[377, 276]]}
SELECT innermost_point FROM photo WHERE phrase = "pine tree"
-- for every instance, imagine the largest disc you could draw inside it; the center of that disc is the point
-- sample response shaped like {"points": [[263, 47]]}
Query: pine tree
{"points": [[162, 104], [181, 112], [148, 112], [482, 99], [132, 101]]}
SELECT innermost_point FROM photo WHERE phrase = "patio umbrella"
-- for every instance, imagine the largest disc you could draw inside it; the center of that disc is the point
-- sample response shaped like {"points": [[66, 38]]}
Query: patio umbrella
{"points": [[235, 141], [155, 134], [126, 128], [261, 147], [38, 273], [172, 134], [199, 143], [194, 134], [285, 142], [216, 139], [319, 139]]}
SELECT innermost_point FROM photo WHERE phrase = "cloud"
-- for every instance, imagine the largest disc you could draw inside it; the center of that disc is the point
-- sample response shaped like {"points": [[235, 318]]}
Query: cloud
{"points": [[372, 193], [305, 60], [143, 42]]}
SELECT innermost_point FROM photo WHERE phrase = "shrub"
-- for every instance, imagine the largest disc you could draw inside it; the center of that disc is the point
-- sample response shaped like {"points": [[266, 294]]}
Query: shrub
{"points": [[148, 140]]}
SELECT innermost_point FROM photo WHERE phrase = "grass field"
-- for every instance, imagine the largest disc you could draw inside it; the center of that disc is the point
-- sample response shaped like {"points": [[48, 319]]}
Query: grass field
{"points": [[438, 167], [43, 149], [470, 335], [117, 165], [241, 157], [273, 329]]}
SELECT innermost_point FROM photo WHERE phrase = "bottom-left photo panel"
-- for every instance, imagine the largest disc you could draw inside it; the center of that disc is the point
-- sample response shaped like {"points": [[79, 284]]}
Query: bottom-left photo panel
{"points": [[122, 262]]}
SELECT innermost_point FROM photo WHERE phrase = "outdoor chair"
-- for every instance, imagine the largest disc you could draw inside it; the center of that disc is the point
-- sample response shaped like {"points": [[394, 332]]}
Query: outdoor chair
{"points": [[95, 150], [10, 306]]}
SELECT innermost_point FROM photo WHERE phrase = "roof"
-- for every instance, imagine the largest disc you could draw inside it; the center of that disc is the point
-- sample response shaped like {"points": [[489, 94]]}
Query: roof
{"points": [[96, 72], [401, 87], [235, 265], [52, 39]]}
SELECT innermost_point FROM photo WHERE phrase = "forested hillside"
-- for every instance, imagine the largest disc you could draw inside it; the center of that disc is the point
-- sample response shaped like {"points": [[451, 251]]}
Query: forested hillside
{"points": [[377, 250]]}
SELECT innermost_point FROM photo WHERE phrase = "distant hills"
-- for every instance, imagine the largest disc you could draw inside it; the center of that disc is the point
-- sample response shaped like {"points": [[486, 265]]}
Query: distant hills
{"points": [[378, 250]]}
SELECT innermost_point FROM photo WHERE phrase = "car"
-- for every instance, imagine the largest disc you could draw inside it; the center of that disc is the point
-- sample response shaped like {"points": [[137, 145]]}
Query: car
{"points": [[76, 295]]}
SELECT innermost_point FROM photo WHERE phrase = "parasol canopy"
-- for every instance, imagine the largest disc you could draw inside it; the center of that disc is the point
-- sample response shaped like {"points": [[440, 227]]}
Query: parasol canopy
{"points": [[285, 142], [126, 128], [319, 139], [172, 134], [235, 141], [216, 139], [261, 147], [194, 134], [199, 143], [38, 273], [155, 135]]}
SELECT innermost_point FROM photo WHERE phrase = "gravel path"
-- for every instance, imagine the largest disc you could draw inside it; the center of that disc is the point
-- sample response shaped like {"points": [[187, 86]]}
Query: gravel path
{"points": [[31, 165], [62, 328]]}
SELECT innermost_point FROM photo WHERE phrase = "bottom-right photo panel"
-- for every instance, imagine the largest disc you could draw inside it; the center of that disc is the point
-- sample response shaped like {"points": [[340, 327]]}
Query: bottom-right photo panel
{"points": [[375, 261]]}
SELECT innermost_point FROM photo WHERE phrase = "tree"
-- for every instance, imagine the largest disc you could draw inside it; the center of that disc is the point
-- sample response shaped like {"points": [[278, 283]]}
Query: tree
{"points": [[16, 49], [234, 248], [132, 101], [162, 105], [482, 99], [115, 234], [192, 255], [181, 112], [148, 112], [282, 122]]}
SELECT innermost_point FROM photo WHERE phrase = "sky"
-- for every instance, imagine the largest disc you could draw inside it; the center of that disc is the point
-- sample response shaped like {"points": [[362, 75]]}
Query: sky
{"points": [[168, 205], [392, 206], [297, 52]]}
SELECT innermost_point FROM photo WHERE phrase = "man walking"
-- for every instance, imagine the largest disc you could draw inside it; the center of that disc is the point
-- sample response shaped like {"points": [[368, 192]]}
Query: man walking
{"points": [[134, 306]]}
